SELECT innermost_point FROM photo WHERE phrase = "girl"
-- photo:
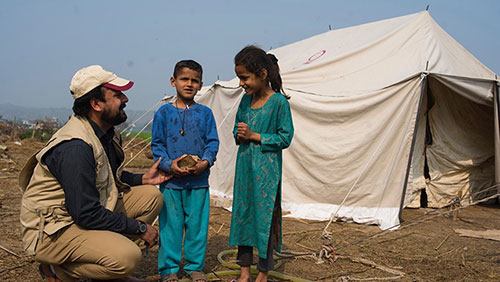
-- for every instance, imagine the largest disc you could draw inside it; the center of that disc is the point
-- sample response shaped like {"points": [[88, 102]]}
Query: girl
{"points": [[263, 128]]}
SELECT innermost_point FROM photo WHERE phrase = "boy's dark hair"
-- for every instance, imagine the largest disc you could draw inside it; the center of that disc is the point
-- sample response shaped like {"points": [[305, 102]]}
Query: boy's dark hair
{"points": [[190, 64], [81, 106], [254, 59]]}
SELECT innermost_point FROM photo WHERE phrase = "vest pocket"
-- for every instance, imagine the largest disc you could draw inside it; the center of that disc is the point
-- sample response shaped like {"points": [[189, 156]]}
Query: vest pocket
{"points": [[102, 177]]}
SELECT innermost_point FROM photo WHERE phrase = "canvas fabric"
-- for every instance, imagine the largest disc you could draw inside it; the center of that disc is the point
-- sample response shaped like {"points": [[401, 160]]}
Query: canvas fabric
{"points": [[356, 96]]}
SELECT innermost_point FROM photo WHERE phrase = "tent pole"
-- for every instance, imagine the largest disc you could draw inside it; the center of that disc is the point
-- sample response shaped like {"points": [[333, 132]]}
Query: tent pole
{"points": [[422, 91], [497, 135]]}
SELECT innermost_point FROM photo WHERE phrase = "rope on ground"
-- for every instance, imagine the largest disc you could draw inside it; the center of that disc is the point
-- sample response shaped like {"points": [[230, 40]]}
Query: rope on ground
{"points": [[327, 252], [455, 205], [287, 254], [13, 267], [434, 213], [373, 264], [349, 278], [9, 251], [253, 270]]}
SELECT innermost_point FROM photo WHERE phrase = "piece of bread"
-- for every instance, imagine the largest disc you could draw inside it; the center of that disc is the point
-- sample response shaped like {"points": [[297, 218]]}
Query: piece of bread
{"points": [[188, 161]]}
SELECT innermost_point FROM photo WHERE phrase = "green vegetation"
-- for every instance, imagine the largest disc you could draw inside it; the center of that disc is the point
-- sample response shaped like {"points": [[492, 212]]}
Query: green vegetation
{"points": [[40, 135], [142, 135]]}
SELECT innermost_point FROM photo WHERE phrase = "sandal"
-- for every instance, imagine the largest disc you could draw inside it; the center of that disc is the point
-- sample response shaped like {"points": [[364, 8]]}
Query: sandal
{"points": [[238, 280], [172, 277], [198, 276], [46, 271]]}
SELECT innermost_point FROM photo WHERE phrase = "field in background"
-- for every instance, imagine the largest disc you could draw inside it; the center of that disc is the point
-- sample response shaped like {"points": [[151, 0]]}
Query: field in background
{"points": [[426, 247]]}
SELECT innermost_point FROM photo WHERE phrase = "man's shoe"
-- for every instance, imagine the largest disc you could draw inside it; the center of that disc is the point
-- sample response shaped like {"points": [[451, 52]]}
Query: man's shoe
{"points": [[48, 273]]}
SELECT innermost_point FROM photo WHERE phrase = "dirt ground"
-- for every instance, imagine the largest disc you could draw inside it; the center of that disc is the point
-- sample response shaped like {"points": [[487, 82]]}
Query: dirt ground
{"points": [[425, 248]]}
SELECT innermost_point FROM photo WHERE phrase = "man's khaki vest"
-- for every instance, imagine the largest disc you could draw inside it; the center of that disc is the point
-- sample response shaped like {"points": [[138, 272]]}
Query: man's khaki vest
{"points": [[43, 208]]}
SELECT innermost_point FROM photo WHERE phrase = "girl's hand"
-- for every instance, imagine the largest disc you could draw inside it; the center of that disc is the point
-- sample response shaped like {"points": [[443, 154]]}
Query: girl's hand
{"points": [[176, 170], [198, 168], [243, 134]]}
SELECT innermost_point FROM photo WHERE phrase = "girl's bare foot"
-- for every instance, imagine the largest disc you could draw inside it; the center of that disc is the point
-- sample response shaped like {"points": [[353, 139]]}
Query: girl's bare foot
{"points": [[245, 274], [262, 277]]}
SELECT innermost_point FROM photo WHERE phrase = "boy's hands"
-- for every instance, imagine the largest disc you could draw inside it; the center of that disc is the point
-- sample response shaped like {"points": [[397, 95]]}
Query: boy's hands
{"points": [[198, 168], [176, 170]]}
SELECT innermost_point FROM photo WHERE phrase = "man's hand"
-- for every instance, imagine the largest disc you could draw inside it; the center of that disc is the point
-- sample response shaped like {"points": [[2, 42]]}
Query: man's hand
{"points": [[198, 168], [150, 236], [155, 175], [176, 170]]}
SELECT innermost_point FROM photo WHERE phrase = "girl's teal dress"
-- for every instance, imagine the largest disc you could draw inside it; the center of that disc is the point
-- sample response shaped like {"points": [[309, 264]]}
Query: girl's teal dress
{"points": [[258, 172]]}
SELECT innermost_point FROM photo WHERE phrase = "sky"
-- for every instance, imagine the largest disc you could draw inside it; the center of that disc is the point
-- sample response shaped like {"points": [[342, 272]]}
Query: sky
{"points": [[43, 43]]}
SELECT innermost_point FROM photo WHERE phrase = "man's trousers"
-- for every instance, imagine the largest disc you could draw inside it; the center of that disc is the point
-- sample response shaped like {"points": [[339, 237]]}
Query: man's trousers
{"points": [[98, 254]]}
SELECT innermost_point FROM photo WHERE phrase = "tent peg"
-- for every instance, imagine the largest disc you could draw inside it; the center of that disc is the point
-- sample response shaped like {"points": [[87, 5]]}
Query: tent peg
{"points": [[427, 9]]}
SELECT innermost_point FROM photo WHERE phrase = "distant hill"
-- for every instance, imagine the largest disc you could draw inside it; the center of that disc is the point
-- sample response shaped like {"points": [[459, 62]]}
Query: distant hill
{"points": [[9, 111]]}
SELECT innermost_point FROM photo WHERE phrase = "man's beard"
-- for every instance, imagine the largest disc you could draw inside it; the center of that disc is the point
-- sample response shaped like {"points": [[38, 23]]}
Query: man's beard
{"points": [[115, 119]]}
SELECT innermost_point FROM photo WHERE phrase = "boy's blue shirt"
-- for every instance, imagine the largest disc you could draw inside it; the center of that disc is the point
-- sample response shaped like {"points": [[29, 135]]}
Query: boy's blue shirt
{"points": [[200, 139]]}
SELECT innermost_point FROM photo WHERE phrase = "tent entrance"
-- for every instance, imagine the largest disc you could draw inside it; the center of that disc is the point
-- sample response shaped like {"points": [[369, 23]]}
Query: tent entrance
{"points": [[454, 152], [427, 142]]}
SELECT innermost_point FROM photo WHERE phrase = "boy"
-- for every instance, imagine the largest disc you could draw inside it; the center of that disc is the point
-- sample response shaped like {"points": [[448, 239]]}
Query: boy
{"points": [[180, 128]]}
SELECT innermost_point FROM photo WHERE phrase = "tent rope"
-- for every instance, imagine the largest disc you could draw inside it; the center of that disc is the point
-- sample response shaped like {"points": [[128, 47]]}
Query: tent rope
{"points": [[138, 133], [130, 127], [142, 150], [419, 220], [163, 100], [327, 234], [139, 118], [140, 143], [327, 251]]}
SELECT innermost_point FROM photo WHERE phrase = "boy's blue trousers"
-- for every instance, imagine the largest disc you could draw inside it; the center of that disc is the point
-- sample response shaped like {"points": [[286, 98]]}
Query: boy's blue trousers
{"points": [[186, 211]]}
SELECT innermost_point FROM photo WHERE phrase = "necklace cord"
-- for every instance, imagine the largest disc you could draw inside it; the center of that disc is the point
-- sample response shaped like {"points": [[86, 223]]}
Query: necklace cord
{"points": [[183, 118]]}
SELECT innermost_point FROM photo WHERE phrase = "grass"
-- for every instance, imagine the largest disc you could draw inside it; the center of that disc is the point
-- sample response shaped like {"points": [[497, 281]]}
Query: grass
{"points": [[142, 135], [140, 140], [41, 135]]}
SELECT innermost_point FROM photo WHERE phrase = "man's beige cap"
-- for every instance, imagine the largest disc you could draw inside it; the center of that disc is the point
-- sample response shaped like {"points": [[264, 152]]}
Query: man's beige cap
{"points": [[90, 77]]}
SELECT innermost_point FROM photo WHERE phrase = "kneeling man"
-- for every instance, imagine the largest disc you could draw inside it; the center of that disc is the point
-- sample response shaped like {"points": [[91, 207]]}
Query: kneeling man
{"points": [[80, 209]]}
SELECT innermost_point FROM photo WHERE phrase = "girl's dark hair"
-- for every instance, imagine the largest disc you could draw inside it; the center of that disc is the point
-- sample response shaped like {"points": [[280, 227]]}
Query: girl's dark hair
{"points": [[81, 106], [254, 59]]}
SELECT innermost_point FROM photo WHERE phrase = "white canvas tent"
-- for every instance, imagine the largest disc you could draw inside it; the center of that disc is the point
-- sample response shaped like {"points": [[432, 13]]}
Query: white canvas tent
{"points": [[374, 106]]}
